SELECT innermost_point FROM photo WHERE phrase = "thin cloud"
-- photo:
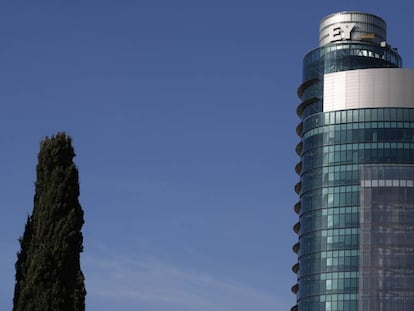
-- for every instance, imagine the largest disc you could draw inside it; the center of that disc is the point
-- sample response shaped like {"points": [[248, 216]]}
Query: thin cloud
{"points": [[165, 286]]}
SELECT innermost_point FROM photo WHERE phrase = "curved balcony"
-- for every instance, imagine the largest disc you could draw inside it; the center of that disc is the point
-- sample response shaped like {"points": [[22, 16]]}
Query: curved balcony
{"points": [[299, 129], [304, 104], [298, 187], [296, 227], [295, 288], [305, 85], [296, 208], [295, 268], [298, 168], [299, 148], [294, 308], [296, 247]]}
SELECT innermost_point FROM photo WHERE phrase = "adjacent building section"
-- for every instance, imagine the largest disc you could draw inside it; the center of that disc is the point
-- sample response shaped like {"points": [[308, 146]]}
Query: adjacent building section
{"points": [[386, 243], [357, 123]]}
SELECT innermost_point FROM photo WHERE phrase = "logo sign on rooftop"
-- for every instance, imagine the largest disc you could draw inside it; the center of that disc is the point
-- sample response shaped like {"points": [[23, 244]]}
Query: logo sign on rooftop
{"points": [[340, 32]]}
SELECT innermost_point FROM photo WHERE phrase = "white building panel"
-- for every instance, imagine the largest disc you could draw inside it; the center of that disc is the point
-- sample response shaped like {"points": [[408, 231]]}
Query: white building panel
{"points": [[369, 88], [365, 88]]}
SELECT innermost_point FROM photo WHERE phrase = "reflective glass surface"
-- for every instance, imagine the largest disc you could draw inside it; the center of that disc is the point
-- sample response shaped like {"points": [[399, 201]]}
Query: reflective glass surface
{"points": [[335, 145], [386, 263], [340, 57]]}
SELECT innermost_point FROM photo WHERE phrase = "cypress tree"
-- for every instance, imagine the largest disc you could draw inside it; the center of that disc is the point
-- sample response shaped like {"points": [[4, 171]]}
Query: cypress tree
{"points": [[48, 274]]}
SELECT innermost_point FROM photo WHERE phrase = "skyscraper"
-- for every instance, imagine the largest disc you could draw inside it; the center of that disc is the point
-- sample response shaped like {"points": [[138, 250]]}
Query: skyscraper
{"points": [[356, 190]]}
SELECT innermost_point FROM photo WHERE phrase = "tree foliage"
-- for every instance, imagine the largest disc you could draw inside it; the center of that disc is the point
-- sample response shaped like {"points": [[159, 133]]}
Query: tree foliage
{"points": [[48, 273]]}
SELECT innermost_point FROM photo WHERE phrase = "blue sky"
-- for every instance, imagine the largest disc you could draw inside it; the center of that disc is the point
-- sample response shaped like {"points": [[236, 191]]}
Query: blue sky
{"points": [[182, 115]]}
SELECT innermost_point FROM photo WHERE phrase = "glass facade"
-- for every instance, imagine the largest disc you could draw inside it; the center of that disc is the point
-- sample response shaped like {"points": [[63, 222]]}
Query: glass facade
{"points": [[334, 58], [386, 263], [335, 148]]}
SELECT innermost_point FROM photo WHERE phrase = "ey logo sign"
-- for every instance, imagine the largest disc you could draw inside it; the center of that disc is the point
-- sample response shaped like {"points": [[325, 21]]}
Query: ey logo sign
{"points": [[341, 32]]}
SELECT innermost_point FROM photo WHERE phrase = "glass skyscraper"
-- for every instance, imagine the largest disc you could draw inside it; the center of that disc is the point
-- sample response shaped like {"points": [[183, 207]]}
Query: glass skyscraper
{"points": [[356, 190]]}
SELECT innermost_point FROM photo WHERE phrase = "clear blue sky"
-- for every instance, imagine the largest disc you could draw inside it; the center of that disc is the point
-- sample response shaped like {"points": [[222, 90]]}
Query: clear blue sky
{"points": [[182, 115]]}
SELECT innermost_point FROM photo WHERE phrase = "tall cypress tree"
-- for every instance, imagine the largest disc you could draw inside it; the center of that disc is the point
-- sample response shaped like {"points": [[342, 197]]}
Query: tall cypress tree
{"points": [[48, 274]]}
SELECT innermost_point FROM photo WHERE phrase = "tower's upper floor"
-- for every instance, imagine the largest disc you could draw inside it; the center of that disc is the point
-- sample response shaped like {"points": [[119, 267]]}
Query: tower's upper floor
{"points": [[352, 26]]}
